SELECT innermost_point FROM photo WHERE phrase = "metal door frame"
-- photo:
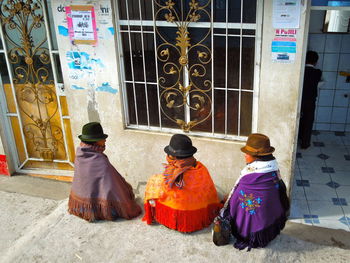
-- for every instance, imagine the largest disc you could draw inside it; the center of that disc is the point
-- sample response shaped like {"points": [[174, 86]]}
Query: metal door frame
{"points": [[5, 115]]}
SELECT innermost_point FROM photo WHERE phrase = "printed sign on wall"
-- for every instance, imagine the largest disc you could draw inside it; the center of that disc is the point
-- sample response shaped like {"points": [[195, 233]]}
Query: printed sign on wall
{"points": [[284, 45], [286, 13], [81, 24]]}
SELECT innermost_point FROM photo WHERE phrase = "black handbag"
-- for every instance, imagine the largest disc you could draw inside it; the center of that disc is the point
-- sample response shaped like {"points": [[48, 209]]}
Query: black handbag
{"points": [[221, 231]]}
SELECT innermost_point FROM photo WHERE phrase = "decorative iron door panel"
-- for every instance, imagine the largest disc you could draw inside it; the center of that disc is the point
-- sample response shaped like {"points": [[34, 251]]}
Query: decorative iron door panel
{"points": [[190, 65], [42, 134]]}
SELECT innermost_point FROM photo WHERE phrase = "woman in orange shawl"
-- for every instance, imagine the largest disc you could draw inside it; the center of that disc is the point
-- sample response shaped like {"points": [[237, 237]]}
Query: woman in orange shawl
{"points": [[183, 197]]}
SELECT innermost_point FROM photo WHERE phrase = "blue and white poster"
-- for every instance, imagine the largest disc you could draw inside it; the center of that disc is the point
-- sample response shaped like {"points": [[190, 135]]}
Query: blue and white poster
{"points": [[284, 46]]}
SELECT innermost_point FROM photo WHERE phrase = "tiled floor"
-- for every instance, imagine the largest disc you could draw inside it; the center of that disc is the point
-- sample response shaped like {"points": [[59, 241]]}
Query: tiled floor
{"points": [[321, 190]]}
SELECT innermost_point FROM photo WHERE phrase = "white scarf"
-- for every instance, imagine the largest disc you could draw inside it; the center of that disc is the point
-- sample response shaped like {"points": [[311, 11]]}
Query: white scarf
{"points": [[259, 167]]}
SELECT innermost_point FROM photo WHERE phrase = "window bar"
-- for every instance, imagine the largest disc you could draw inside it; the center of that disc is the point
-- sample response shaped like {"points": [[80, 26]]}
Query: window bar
{"points": [[144, 64], [232, 35], [226, 66], [212, 68], [187, 108], [140, 82], [197, 133], [259, 14], [135, 31], [156, 61], [120, 52], [2, 36], [240, 73], [194, 25], [132, 65], [54, 68], [232, 89]]}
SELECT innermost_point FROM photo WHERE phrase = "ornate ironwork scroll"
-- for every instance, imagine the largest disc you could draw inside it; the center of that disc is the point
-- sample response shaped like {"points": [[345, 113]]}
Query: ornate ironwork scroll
{"points": [[183, 63], [24, 31]]}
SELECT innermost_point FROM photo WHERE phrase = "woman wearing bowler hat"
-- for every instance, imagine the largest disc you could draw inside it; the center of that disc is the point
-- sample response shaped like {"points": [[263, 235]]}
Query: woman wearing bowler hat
{"points": [[257, 206], [99, 192], [183, 197]]}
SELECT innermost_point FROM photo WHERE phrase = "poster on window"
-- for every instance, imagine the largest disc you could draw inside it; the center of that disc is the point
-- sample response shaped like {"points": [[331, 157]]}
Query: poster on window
{"points": [[284, 45], [286, 13], [81, 21]]}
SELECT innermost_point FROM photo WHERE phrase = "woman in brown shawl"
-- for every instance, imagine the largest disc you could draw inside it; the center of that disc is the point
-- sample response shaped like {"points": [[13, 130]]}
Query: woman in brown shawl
{"points": [[98, 191]]}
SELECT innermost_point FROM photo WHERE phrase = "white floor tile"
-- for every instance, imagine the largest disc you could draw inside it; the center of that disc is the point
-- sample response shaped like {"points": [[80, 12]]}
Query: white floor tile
{"points": [[298, 192], [325, 210], [344, 192], [310, 162], [297, 174], [334, 224], [346, 139], [318, 192], [315, 176], [330, 139], [319, 195], [339, 163], [346, 209], [342, 178], [299, 208], [310, 151], [334, 150], [322, 127]]}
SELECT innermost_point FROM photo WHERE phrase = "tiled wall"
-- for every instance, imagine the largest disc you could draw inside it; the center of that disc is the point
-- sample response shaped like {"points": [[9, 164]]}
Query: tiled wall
{"points": [[332, 112]]}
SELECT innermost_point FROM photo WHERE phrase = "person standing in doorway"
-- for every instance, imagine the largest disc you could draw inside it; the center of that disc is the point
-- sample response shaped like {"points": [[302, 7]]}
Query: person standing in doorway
{"points": [[312, 77]]}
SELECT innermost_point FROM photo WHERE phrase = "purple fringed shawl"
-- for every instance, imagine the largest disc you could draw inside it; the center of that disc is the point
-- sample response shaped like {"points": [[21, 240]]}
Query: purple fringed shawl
{"points": [[99, 192], [255, 210]]}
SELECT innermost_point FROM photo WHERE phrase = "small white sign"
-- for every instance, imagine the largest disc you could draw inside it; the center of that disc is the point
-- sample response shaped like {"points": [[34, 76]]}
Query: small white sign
{"points": [[286, 13]]}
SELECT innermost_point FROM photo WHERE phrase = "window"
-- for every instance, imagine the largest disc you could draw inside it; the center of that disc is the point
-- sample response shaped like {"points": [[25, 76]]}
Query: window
{"points": [[189, 65]]}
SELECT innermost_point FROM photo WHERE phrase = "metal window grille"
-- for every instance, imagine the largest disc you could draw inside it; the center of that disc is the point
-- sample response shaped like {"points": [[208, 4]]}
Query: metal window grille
{"points": [[190, 65]]}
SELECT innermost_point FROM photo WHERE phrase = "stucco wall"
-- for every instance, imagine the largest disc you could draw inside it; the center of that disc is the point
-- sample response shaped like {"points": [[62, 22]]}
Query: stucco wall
{"points": [[138, 154], [280, 93]]}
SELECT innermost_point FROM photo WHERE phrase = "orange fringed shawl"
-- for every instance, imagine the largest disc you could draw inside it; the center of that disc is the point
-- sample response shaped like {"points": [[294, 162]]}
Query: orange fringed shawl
{"points": [[187, 209]]}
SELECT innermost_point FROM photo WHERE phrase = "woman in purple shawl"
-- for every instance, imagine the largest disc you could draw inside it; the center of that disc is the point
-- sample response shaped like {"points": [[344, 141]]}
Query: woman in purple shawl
{"points": [[257, 206], [99, 192]]}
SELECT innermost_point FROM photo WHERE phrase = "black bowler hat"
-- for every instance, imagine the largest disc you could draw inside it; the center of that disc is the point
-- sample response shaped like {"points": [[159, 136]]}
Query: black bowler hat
{"points": [[180, 146], [92, 132]]}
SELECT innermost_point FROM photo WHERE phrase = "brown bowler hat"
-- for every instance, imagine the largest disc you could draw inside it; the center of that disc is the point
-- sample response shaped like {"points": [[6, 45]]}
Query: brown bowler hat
{"points": [[258, 145]]}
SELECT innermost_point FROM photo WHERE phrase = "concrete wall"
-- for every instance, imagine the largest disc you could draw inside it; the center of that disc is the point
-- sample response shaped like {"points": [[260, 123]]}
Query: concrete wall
{"points": [[138, 154], [280, 88]]}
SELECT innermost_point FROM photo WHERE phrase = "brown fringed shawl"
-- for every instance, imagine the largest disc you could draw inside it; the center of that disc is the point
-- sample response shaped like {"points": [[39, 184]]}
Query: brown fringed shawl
{"points": [[99, 192]]}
